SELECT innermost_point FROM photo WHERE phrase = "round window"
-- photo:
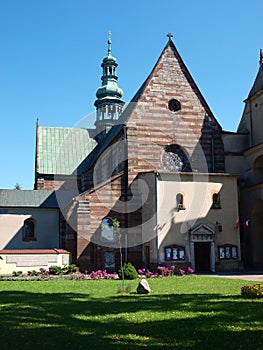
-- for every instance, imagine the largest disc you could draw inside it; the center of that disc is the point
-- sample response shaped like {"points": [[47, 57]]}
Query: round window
{"points": [[174, 105]]}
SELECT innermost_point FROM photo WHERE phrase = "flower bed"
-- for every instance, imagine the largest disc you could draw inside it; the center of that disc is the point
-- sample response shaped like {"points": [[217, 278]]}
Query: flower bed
{"points": [[69, 273], [252, 292], [164, 271]]}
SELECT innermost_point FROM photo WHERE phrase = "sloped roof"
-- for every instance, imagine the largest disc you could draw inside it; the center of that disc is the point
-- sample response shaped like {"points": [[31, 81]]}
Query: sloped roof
{"points": [[99, 149], [61, 150], [35, 198], [258, 83]]}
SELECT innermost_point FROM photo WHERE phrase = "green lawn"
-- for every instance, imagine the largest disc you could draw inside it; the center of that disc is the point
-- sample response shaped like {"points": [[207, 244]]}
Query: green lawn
{"points": [[181, 313]]}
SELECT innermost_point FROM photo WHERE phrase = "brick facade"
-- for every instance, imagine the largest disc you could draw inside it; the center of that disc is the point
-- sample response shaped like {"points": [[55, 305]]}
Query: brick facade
{"points": [[110, 185]]}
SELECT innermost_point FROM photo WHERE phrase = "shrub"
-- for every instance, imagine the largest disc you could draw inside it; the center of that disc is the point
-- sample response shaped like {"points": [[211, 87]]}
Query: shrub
{"points": [[33, 273], [55, 270], [17, 273], [43, 271], [129, 272], [252, 292], [70, 268]]}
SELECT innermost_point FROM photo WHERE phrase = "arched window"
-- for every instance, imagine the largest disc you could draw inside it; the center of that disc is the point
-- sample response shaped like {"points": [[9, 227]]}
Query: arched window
{"points": [[216, 204], [258, 169], [107, 230], [180, 201], [29, 233]]}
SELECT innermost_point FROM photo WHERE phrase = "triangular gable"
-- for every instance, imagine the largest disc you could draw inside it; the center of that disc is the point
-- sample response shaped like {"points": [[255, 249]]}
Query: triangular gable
{"points": [[176, 63], [152, 125], [203, 229]]}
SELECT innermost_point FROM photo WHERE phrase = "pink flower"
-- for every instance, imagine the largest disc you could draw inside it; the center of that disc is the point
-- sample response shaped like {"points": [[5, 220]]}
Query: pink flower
{"points": [[182, 272], [190, 270]]}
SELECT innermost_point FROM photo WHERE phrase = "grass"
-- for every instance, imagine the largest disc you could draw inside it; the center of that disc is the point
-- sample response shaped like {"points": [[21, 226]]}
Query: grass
{"points": [[181, 313]]}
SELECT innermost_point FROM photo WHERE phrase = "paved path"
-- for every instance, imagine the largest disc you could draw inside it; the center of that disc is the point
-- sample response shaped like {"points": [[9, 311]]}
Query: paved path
{"points": [[247, 276]]}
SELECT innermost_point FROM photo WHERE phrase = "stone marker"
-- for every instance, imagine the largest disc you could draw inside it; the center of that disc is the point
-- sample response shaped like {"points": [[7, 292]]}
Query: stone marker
{"points": [[143, 287]]}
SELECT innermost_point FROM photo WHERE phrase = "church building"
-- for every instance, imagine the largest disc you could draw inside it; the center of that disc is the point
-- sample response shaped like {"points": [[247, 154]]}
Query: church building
{"points": [[157, 178]]}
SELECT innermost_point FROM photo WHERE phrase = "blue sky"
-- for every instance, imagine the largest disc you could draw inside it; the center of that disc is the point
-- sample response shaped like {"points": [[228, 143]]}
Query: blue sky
{"points": [[51, 51]]}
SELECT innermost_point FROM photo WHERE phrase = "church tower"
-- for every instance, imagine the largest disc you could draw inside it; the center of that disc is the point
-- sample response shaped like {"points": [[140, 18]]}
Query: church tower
{"points": [[251, 121], [108, 104]]}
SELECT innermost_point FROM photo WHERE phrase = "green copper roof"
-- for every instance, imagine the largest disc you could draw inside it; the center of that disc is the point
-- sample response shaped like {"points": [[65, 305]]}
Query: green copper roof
{"points": [[35, 198], [61, 150], [109, 86], [25, 198]]}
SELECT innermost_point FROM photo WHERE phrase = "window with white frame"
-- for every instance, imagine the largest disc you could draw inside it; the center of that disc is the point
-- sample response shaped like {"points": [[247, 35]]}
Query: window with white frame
{"points": [[227, 251], [174, 253]]}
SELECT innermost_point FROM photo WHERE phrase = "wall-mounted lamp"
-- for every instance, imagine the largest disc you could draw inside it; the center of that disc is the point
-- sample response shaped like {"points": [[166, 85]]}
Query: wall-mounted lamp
{"points": [[219, 226]]}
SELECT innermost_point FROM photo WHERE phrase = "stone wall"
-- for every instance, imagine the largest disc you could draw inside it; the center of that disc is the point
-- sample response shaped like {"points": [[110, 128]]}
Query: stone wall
{"points": [[28, 260]]}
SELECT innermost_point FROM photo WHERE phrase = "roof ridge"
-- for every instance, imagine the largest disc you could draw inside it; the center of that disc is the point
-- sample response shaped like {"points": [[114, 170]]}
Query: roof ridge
{"points": [[258, 83]]}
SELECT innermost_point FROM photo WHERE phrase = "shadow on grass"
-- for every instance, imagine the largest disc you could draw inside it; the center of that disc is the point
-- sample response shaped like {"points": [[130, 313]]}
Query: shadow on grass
{"points": [[166, 321]]}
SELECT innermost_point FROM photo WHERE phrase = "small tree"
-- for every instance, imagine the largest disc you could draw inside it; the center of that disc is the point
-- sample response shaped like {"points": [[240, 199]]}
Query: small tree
{"points": [[17, 186], [117, 233]]}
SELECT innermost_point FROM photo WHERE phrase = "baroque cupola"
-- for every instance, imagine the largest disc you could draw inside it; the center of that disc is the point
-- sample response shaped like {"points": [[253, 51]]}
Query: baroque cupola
{"points": [[109, 103]]}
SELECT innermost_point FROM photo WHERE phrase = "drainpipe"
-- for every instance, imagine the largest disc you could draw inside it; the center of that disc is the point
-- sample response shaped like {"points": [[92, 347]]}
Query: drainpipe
{"points": [[156, 219]]}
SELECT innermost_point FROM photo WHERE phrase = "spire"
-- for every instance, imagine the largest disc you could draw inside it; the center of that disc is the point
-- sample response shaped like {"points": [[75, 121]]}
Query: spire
{"points": [[109, 43], [108, 104], [258, 83]]}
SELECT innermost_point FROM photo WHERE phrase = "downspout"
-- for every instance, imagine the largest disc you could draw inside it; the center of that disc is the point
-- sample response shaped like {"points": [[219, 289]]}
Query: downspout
{"points": [[156, 219]]}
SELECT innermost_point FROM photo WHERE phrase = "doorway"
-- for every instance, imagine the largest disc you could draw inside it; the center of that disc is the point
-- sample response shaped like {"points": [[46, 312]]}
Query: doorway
{"points": [[109, 261], [202, 256]]}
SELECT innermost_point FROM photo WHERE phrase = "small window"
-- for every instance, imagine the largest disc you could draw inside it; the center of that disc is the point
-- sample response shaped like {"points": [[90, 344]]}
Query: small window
{"points": [[174, 105], [216, 201], [107, 230], [29, 233], [174, 253], [180, 201], [227, 251]]}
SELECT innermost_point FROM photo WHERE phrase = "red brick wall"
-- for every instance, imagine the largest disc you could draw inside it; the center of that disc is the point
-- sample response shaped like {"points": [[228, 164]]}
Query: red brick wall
{"points": [[152, 125]]}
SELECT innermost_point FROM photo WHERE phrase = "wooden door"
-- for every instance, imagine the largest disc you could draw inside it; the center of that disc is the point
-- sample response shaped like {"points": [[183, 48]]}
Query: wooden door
{"points": [[202, 257]]}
